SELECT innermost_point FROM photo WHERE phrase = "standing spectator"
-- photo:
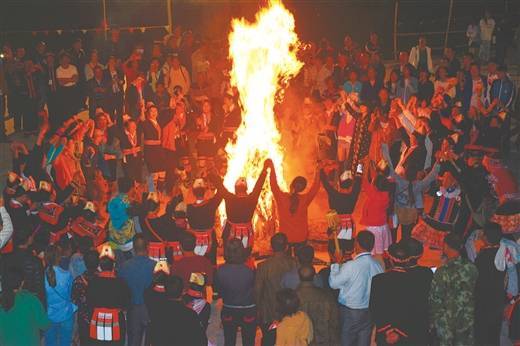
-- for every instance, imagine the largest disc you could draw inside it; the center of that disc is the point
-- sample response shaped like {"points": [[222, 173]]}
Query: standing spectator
{"points": [[235, 282], [79, 294], [473, 35], [350, 47], [116, 80], [178, 75], [131, 145], [121, 229], [392, 83], [32, 96], [354, 279], [191, 263], [490, 290], [341, 69], [187, 329], [295, 327], [407, 85], [107, 295], [443, 83], [487, 27], [137, 94], [370, 88], [137, 273], [98, 89], [305, 257], [154, 74], [397, 302], [68, 93], [425, 87], [60, 309], [320, 306], [50, 90], [92, 64], [268, 282], [492, 75], [353, 85], [421, 56], [324, 73], [474, 89], [22, 316], [373, 46], [453, 63], [452, 299]]}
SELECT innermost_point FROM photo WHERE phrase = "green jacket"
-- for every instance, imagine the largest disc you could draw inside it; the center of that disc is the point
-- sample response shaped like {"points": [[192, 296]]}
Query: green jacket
{"points": [[323, 311], [268, 281], [452, 302], [21, 325]]}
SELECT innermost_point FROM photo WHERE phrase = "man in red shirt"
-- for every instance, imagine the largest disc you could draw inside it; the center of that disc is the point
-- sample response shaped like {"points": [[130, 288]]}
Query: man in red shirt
{"points": [[191, 263]]}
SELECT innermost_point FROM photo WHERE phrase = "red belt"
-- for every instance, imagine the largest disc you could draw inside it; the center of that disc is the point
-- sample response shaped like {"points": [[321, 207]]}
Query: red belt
{"points": [[345, 221], [104, 325], [152, 142], [241, 231]]}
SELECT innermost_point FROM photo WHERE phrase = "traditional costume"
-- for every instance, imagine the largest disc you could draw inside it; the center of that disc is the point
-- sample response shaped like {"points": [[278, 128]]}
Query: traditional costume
{"points": [[201, 219], [108, 297], [132, 156], [434, 225], [240, 208], [341, 205]]}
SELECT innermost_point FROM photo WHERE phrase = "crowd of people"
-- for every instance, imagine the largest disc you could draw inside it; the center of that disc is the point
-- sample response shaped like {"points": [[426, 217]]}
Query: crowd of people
{"points": [[110, 233]]}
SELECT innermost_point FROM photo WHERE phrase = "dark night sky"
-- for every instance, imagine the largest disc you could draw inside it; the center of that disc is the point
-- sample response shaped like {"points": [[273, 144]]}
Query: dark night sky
{"points": [[210, 18]]}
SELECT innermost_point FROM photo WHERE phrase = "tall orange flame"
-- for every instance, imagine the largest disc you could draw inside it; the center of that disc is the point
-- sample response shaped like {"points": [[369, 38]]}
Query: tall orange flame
{"points": [[264, 60]]}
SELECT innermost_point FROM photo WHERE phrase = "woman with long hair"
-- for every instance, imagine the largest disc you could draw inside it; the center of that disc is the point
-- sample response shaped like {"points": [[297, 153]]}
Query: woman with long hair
{"points": [[22, 315], [235, 281], [293, 207], [60, 309]]}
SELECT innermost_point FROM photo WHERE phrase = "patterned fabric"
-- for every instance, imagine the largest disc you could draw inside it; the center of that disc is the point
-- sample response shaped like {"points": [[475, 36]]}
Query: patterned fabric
{"points": [[428, 235], [243, 232], [452, 302], [104, 325], [203, 241]]}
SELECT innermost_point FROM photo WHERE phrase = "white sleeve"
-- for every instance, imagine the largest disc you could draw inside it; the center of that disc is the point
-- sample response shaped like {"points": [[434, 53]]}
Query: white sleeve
{"points": [[7, 229], [339, 275]]}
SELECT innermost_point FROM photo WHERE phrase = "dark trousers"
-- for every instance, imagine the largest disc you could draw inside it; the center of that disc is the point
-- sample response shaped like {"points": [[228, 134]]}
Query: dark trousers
{"points": [[53, 110], [232, 318], [138, 322], [356, 326], [406, 231], [268, 336], [69, 102], [488, 322]]}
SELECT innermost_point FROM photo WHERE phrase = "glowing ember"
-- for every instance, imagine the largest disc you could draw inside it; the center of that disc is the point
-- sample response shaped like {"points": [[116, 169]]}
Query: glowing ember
{"points": [[264, 59]]}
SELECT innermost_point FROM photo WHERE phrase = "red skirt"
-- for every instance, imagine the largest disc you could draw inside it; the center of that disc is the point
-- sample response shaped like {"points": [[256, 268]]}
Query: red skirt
{"points": [[428, 235]]}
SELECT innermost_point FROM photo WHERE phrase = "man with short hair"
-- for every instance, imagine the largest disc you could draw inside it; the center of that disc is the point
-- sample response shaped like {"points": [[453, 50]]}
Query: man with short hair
{"points": [[354, 279], [305, 257], [191, 263], [137, 273], [321, 307], [174, 323], [268, 282], [452, 301]]}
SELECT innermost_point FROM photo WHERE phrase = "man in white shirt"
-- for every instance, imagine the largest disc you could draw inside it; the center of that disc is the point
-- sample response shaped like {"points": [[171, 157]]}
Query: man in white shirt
{"points": [[178, 75], [487, 26], [67, 76], [354, 279]]}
